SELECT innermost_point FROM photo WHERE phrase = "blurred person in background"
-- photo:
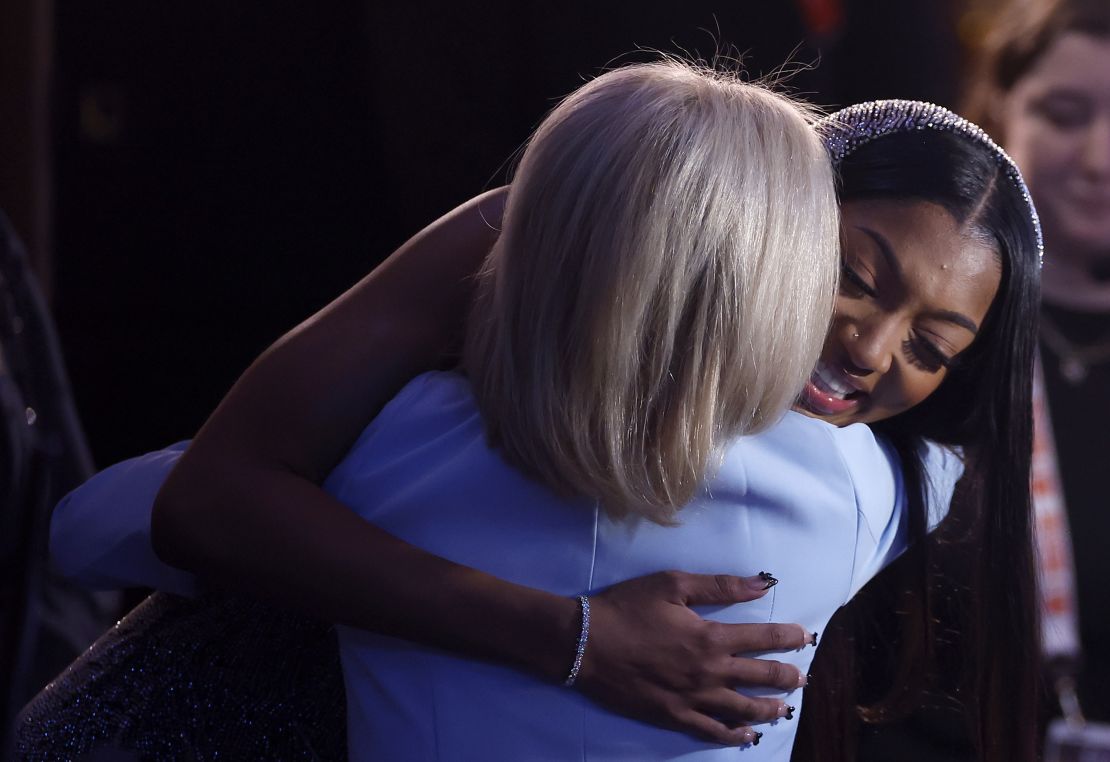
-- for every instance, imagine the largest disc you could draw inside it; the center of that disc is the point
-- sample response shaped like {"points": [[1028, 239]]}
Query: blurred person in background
{"points": [[1041, 88]]}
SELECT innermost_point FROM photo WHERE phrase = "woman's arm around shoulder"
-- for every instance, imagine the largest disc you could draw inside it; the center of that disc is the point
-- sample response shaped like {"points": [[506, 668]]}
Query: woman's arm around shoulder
{"points": [[243, 509]]}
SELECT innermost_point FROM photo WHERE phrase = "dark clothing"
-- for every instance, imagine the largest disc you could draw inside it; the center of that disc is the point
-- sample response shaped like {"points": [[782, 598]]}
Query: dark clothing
{"points": [[1080, 414]]}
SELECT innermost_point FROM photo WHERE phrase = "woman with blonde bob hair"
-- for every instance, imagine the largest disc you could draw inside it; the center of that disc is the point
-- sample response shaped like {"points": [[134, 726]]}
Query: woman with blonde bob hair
{"points": [[638, 309]]}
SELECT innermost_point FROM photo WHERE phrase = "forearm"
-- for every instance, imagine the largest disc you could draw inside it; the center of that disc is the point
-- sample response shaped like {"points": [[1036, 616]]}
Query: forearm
{"points": [[243, 509], [310, 552]]}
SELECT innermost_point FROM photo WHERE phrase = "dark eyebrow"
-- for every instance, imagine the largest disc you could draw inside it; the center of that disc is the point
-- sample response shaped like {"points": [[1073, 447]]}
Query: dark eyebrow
{"points": [[892, 262], [885, 249], [957, 318]]}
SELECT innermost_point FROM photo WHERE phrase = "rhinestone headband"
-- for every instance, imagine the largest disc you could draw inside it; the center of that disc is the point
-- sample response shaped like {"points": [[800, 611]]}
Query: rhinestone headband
{"points": [[855, 126]]}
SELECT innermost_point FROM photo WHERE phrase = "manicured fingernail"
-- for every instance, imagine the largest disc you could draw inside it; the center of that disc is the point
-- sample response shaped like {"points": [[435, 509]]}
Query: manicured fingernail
{"points": [[768, 580], [814, 644], [755, 583], [789, 712], [755, 740], [803, 679]]}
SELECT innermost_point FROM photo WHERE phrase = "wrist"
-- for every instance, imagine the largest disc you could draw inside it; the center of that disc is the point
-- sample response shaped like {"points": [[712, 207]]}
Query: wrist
{"points": [[553, 649], [582, 642], [511, 623]]}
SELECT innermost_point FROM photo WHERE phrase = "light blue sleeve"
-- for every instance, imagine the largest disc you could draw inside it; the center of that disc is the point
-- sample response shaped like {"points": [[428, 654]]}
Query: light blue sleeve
{"points": [[100, 532], [882, 510]]}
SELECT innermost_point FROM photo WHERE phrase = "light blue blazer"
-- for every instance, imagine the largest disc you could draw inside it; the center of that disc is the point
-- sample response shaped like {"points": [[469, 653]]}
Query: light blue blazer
{"points": [[822, 507]]}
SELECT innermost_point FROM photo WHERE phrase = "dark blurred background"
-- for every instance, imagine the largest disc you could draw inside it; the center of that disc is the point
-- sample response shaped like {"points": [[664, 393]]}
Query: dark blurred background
{"points": [[193, 179]]}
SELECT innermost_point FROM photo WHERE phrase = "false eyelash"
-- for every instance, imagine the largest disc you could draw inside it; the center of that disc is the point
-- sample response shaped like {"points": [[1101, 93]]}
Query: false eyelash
{"points": [[856, 280], [913, 348]]}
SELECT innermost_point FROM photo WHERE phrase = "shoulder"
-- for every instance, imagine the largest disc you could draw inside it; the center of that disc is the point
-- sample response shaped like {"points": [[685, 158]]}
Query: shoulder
{"points": [[853, 456], [429, 396], [867, 459], [418, 418], [873, 466], [799, 454]]}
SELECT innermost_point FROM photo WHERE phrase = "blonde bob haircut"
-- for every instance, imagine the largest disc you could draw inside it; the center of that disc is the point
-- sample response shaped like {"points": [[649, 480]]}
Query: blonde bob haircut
{"points": [[662, 283]]}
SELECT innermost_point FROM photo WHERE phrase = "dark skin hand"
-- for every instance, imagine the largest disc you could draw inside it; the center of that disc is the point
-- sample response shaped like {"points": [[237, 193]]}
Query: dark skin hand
{"points": [[243, 507], [686, 683]]}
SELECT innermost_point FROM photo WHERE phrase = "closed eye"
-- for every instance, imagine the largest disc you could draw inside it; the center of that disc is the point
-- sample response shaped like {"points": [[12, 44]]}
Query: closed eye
{"points": [[1065, 110], [925, 355], [853, 284]]}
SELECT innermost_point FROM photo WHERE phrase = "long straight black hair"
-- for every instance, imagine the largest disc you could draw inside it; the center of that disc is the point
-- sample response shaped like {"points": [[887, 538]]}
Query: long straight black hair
{"points": [[981, 560]]}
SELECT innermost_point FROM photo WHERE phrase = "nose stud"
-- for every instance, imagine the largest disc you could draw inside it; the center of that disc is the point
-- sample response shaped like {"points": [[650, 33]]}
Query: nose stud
{"points": [[855, 335]]}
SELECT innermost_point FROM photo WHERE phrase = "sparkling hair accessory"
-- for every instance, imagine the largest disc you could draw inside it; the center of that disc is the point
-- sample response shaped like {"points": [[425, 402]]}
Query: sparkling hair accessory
{"points": [[855, 126]]}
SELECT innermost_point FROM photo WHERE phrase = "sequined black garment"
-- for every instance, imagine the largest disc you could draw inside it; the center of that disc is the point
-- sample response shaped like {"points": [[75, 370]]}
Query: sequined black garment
{"points": [[219, 677]]}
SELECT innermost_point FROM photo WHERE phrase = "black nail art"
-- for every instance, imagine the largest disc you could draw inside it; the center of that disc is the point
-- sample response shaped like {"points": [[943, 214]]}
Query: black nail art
{"points": [[814, 640], [789, 712], [755, 741], [769, 579]]}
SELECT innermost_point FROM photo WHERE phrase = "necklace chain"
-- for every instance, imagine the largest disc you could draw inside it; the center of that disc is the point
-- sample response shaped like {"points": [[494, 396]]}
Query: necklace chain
{"points": [[1075, 360]]}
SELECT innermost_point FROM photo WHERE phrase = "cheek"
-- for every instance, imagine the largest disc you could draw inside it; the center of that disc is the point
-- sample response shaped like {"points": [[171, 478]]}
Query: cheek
{"points": [[1039, 148], [921, 386], [908, 391], [1048, 155]]}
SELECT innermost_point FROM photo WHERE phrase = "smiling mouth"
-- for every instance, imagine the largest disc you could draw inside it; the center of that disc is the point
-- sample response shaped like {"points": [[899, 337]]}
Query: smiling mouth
{"points": [[827, 393]]}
